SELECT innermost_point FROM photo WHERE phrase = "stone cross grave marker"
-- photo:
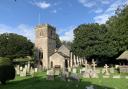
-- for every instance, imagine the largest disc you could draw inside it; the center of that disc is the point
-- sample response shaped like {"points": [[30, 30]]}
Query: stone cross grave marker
{"points": [[86, 64], [106, 69], [94, 65]]}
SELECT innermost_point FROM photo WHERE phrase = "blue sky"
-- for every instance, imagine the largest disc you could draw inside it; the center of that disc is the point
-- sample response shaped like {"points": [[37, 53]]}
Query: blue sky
{"points": [[23, 15]]}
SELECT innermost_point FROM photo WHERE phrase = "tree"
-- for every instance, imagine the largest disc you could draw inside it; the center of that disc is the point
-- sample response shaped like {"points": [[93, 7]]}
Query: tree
{"points": [[58, 42], [88, 38], [106, 41], [13, 46], [7, 70], [67, 44]]}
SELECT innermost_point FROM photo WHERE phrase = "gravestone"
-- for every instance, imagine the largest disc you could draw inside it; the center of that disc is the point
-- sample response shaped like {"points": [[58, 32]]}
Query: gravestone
{"points": [[23, 73], [74, 70], [74, 77], [21, 68], [82, 70], [17, 70], [123, 69], [35, 70], [86, 74], [32, 71], [28, 67], [69, 70], [90, 87], [50, 74], [94, 65], [86, 64], [65, 76], [106, 70]]}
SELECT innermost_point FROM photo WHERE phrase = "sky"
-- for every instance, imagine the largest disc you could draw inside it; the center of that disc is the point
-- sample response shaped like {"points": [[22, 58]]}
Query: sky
{"points": [[21, 16]]}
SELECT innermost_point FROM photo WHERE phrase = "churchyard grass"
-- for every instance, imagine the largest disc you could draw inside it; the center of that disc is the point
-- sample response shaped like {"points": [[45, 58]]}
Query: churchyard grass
{"points": [[39, 82]]}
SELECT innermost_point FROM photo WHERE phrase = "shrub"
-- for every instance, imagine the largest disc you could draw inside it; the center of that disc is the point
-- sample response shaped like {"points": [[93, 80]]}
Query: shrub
{"points": [[7, 70]]}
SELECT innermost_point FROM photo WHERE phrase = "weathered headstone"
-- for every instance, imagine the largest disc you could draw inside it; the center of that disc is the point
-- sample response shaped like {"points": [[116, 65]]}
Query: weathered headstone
{"points": [[35, 70], [50, 74], [74, 70], [28, 67], [65, 76], [17, 69], [32, 71], [86, 64], [86, 74], [94, 64], [106, 69], [23, 73], [21, 68], [90, 87], [74, 77]]}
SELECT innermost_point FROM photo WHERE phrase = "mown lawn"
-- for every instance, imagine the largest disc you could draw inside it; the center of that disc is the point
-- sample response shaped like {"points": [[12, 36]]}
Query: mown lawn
{"points": [[39, 82]]}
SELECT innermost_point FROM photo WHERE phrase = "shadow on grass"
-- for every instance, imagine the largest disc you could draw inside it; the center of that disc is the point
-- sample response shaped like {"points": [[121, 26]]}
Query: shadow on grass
{"points": [[42, 83]]}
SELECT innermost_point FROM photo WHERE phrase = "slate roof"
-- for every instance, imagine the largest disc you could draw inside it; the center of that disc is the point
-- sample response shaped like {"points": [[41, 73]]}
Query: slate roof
{"points": [[123, 56], [64, 50]]}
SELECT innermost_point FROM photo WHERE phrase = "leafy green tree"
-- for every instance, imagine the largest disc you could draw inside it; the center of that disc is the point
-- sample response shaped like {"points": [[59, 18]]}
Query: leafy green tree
{"points": [[88, 38], [58, 42], [102, 42], [67, 44], [13, 46]]}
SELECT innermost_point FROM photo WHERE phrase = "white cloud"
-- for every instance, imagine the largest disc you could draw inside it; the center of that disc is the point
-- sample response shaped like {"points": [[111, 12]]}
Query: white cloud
{"points": [[21, 29], [105, 1], [42, 5], [67, 34], [102, 18], [98, 11], [87, 3]]}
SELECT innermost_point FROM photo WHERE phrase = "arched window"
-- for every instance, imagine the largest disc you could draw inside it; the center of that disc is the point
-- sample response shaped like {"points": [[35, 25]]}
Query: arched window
{"points": [[41, 54]]}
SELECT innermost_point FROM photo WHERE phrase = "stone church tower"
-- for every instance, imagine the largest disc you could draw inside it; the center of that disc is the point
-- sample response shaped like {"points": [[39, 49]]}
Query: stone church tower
{"points": [[45, 44]]}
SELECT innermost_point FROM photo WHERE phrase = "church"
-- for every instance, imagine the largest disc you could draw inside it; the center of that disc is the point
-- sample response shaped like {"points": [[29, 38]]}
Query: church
{"points": [[46, 53]]}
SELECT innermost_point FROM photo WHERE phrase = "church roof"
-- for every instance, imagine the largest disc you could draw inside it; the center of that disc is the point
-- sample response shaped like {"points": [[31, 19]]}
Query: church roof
{"points": [[63, 55], [123, 56], [64, 50]]}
